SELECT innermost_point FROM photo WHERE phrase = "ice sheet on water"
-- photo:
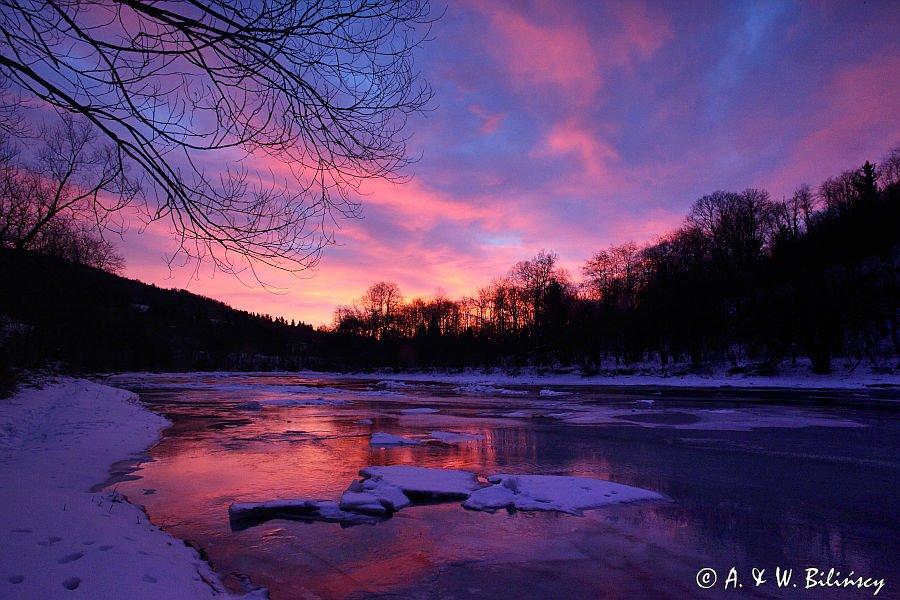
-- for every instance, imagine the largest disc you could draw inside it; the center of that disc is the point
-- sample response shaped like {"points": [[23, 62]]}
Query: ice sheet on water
{"points": [[453, 437], [381, 394], [373, 496], [301, 401], [390, 383], [736, 419], [424, 481], [419, 411], [300, 509], [547, 393], [487, 390], [553, 493], [386, 439]]}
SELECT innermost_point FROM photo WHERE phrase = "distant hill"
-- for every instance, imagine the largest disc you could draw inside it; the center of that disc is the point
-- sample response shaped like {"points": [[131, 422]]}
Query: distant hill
{"points": [[90, 320]]}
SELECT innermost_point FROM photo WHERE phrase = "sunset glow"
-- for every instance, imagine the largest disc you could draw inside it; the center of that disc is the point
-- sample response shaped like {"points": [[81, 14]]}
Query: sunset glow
{"points": [[569, 127]]}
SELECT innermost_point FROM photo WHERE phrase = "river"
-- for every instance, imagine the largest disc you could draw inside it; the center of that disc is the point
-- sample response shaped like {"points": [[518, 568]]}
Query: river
{"points": [[753, 482]]}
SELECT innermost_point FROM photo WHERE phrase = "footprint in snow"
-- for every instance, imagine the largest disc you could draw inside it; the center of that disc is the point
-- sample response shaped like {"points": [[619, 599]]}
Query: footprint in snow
{"points": [[149, 578], [71, 558], [72, 583], [50, 541]]}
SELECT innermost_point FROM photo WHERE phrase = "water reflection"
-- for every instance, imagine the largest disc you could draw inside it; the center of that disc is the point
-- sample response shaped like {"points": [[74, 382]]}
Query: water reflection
{"points": [[791, 496]]}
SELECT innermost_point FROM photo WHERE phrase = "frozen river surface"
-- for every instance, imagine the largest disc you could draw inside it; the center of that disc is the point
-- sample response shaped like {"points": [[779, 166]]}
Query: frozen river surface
{"points": [[799, 480]]}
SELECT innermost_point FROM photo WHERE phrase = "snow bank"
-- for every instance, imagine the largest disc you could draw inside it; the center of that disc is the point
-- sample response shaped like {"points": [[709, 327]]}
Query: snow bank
{"points": [[553, 493], [386, 439], [55, 444]]}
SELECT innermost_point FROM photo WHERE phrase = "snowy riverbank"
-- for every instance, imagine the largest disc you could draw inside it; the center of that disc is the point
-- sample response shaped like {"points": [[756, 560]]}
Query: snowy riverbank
{"points": [[799, 377], [60, 539]]}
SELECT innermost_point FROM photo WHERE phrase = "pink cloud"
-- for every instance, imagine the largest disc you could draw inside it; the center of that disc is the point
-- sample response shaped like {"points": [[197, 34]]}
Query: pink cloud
{"points": [[858, 122], [552, 49], [542, 54], [640, 33], [593, 153], [489, 121]]}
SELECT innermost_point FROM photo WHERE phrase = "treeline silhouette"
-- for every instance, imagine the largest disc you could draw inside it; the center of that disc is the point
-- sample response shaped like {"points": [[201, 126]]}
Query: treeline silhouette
{"points": [[746, 280]]}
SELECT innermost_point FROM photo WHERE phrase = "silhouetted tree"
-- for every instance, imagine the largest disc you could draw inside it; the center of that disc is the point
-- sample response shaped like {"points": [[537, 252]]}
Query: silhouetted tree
{"points": [[322, 87]]}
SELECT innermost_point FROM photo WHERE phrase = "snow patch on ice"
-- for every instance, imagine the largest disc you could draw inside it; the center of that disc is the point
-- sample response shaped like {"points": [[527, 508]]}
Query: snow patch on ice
{"points": [[425, 482], [419, 411], [320, 401], [374, 496], [547, 393], [381, 394], [553, 493], [389, 383], [386, 439], [487, 390], [452, 437], [299, 509]]}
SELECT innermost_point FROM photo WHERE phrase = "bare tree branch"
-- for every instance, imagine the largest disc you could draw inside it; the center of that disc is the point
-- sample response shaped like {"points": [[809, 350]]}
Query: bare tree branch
{"points": [[197, 95]]}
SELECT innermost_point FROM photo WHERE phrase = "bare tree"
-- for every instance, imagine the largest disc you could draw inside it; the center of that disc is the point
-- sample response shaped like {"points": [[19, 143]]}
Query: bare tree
{"points": [[889, 169], [382, 302], [193, 92], [59, 199]]}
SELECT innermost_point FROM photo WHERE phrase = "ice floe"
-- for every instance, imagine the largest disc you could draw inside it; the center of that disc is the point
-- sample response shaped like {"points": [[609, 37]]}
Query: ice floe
{"points": [[385, 490], [373, 496], [388, 383], [299, 509], [547, 393], [452, 437], [488, 390], [552, 493], [386, 439], [425, 482]]}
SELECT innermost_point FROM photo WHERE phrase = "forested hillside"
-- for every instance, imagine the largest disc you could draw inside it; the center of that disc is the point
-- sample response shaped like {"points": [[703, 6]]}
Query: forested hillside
{"points": [[88, 319]]}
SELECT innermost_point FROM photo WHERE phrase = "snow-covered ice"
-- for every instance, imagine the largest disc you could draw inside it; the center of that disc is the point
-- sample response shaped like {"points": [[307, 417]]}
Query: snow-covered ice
{"points": [[452, 437], [481, 389], [300, 509], [553, 493], [302, 401], [56, 443], [425, 482], [386, 439], [390, 383], [730, 419], [548, 393], [374, 496]]}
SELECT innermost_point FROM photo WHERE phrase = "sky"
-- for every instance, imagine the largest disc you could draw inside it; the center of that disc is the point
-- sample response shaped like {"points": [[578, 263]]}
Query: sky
{"points": [[573, 125]]}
